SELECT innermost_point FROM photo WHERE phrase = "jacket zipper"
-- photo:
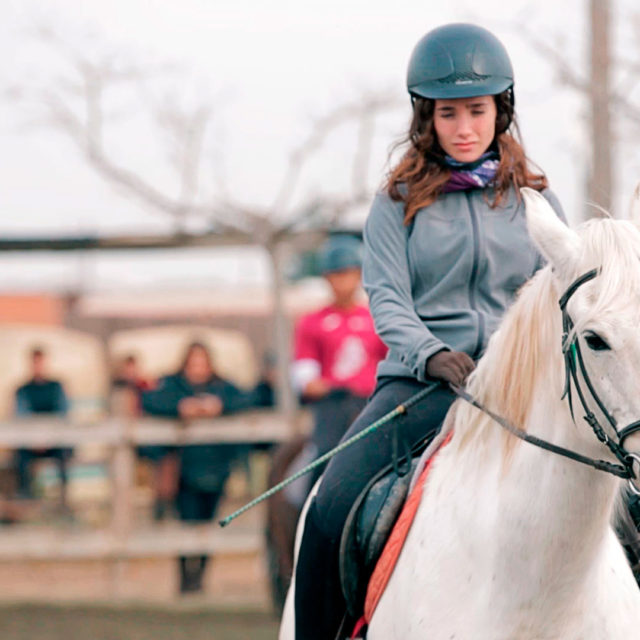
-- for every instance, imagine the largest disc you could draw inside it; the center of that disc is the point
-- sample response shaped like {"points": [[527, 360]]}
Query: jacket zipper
{"points": [[474, 277]]}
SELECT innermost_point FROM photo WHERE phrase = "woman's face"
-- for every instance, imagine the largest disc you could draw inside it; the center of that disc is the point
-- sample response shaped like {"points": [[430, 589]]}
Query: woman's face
{"points": [[197, 369], [465, 127]]}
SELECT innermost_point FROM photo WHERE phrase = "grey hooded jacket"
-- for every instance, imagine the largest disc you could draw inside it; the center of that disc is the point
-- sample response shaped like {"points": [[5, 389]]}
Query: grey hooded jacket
{"points": [[445, 280]]}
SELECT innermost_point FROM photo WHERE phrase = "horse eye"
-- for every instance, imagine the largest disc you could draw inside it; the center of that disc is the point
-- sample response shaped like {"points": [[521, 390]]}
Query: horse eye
{"points": [[596, 343]]}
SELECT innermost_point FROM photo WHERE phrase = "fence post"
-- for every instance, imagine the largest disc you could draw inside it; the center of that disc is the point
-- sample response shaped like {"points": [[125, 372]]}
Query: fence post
{"points": [[123, 407]]}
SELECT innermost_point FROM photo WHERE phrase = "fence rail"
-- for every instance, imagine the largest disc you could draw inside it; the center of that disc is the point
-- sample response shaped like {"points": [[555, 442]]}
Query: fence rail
{"points": [[120, 540], [54, 543], [247, 427]]}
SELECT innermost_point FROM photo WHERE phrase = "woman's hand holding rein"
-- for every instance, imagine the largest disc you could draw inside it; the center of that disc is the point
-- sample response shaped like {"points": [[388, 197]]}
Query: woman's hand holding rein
{"points": [[452, 366]]}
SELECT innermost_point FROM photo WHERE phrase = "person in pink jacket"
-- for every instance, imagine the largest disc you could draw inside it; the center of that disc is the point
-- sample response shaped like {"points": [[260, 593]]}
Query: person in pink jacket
{"points": [[337, 350]]}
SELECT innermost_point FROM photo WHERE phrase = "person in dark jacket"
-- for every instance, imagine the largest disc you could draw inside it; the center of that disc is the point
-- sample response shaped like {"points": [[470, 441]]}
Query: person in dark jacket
{"points": [[40, 395], [446, 248], [196, 391]]}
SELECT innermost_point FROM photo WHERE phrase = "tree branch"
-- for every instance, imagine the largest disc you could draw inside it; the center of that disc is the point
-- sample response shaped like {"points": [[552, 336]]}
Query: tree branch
{"points": [[366, 107]]}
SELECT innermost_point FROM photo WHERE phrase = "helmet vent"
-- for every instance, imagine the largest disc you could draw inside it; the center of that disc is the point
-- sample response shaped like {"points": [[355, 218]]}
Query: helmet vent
{"points": [[462, 78]]}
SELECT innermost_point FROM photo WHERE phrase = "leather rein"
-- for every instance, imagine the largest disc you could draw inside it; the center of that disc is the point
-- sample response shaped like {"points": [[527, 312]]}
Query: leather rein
{"points": [[574, 362]]}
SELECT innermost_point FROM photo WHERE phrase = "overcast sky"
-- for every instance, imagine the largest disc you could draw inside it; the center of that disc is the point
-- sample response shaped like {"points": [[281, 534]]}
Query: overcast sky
{"points": [[268, 70]]}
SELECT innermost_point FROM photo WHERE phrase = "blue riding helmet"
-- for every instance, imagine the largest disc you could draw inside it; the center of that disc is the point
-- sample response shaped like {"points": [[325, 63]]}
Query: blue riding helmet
{"points": [[459, 61], [339, 253]]}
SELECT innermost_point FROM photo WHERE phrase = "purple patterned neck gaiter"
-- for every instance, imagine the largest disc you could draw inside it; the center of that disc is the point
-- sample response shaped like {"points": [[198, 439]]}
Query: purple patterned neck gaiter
{"points": [[471, 175]]}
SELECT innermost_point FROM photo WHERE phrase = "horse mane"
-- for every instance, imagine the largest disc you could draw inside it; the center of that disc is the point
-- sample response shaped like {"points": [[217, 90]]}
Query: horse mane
{"points": [[526, 349], [516, 357]]}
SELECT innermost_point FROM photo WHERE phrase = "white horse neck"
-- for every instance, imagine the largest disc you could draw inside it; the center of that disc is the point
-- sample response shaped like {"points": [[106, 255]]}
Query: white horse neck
{"points": [[518, 534], [532, 505], [544, 506]]}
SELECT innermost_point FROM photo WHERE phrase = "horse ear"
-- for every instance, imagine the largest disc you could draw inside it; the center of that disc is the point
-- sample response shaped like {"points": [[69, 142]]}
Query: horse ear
{"points": [[634, 206], [559, 244]]}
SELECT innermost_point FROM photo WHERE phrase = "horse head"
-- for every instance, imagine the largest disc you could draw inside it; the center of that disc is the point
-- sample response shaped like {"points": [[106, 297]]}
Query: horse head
{"points": [[596, 274]]}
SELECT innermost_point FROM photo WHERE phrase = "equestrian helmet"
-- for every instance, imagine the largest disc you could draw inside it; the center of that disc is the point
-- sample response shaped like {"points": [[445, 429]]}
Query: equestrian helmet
{"points": [[341, 252], [459, 61]]}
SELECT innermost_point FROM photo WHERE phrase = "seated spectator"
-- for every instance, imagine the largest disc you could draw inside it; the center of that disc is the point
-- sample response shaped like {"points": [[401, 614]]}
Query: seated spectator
{"points": [[264, 391], [128, 378], [40, 395], [196, 391]]}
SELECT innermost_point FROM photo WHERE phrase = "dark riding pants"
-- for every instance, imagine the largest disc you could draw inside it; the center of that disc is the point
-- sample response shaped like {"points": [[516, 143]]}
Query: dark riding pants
{"points": [[319, 604], [332, 416]]}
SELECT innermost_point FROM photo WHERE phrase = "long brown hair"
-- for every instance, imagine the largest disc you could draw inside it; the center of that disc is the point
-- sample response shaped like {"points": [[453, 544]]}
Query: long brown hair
{"points": [[419, 177]]}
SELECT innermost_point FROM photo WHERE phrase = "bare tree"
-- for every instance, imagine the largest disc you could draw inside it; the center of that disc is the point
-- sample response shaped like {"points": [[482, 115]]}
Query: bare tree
{"points": [[77, 107], [604, 98]]}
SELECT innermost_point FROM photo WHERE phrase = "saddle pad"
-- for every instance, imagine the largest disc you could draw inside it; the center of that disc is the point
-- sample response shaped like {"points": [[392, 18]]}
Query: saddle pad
{"points": [[360, 628], [391, 552], [366, 530]]}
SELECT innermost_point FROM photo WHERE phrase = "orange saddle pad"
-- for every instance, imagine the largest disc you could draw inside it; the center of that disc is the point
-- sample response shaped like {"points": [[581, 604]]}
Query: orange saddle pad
{"points": [[393, 547]]}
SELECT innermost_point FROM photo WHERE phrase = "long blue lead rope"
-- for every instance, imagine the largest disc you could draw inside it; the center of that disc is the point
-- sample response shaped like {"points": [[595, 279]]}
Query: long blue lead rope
{"points": [[399, 410]]}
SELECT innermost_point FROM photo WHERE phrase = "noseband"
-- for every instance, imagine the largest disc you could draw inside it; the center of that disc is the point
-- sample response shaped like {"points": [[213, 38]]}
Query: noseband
{"points": [[573, 361]]}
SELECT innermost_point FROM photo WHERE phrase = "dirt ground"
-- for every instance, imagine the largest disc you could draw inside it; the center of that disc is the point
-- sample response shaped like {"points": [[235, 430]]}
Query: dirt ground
{"points": [[91, 622], [230, 581]]}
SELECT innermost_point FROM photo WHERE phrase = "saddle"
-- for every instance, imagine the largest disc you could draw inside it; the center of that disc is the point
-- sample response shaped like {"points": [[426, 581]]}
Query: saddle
{"points": [[369, 526]]}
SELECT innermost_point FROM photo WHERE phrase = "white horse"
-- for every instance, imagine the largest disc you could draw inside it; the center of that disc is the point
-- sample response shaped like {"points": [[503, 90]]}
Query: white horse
{"points": [[512, 542]]}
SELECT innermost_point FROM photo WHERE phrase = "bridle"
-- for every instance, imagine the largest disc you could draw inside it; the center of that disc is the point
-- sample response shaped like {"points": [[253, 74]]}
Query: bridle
{"points": [[573, 362], [573, 359]]}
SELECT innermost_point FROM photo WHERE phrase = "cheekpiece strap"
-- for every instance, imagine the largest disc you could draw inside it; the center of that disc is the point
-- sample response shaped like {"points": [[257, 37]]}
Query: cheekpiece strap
{"points": [[590, 275]]}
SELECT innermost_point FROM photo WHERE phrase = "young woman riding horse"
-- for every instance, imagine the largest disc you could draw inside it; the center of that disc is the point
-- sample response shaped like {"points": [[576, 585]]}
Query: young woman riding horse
{"points": [[511, 539], [446, 249]]}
